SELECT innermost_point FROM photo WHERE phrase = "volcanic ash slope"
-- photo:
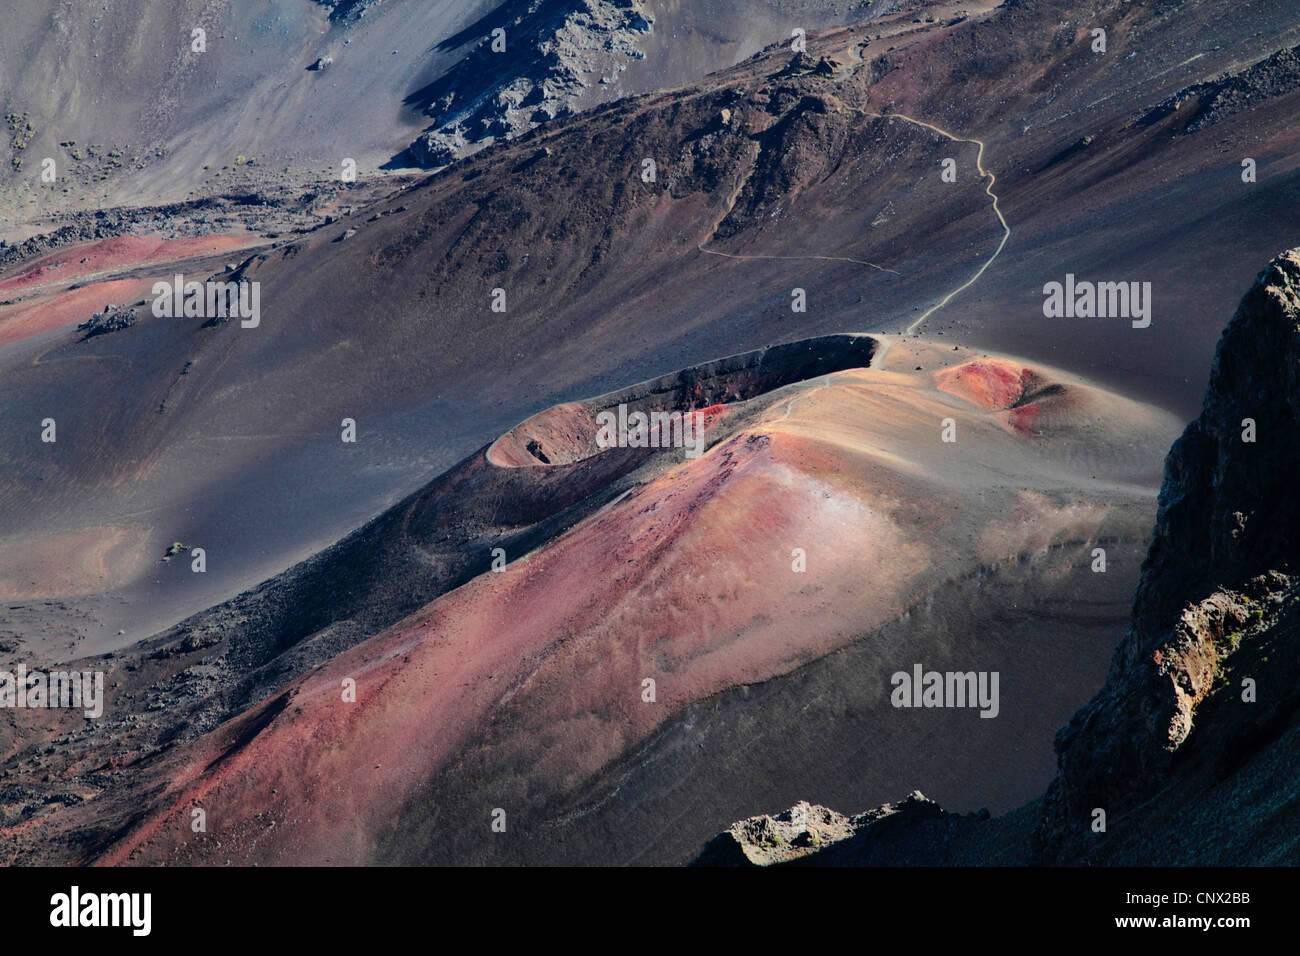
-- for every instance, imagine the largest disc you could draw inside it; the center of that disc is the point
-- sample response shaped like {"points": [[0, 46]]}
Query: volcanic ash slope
{"points": [[525, 691]]}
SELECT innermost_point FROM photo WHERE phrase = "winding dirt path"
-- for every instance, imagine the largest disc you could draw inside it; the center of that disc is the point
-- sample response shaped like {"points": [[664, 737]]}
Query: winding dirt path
{"points": [[946, 134], [988, 189], [855, 54]]}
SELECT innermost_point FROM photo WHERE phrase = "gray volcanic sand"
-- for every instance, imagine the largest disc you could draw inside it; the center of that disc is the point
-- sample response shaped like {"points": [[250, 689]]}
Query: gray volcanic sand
{"points": [[607, 285]]}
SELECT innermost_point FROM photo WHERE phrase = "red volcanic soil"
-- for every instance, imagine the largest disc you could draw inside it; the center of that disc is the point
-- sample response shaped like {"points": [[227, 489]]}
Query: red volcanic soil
{"points": [[687, 579], [52, 306], [117, 254], [49, 312], [566, 433], [1022, 419], [561, 433], [1019, 393], [988, 383]]}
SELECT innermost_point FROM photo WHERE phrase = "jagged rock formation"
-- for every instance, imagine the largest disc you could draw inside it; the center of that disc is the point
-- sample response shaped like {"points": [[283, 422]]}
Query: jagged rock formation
{"points": [[555, 51], [1201, 104], [1227, 535], [347, 10], [806, 829], [1187, 746], [112, 319]]}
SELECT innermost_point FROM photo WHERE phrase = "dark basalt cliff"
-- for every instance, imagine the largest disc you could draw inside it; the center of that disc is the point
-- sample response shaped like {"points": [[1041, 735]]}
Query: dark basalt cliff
{"points": [[1225, 541]]}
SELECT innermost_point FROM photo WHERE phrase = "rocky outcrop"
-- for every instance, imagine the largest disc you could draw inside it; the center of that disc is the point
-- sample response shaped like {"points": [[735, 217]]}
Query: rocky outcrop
{"points": [[534, 62], [112, 319], [1202, 104], [348, 10], [1227, 538], [806, 829]]}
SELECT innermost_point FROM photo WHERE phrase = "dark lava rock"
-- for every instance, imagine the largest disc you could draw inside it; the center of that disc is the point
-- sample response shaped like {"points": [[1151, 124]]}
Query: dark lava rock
{"points": [[112, 319]]}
